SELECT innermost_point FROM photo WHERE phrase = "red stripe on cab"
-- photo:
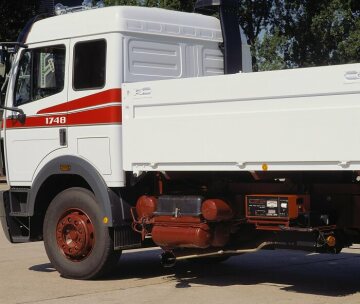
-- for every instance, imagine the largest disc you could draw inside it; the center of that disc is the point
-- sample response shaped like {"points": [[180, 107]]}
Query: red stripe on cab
{"points": [[96, 116], [105, 115], [109, 96]]}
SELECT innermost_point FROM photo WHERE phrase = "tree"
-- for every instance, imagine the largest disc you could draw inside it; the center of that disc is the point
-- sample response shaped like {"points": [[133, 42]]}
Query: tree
{"points": [[281, 33], [255, 16], [269, 52], [349, 48], [13, 17], [122, 2], [318, 32], [178, 5]]}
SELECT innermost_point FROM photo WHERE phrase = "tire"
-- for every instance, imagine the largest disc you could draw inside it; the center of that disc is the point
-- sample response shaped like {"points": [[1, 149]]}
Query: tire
{"points": [[76, 241]]}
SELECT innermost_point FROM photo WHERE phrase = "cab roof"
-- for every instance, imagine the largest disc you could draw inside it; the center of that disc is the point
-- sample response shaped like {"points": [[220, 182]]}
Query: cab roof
{"points": [[126, 19]]}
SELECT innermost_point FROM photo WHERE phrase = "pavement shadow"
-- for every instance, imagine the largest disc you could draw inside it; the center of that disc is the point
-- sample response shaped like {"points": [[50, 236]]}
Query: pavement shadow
{"points": [[48, 267], [293, 271]]}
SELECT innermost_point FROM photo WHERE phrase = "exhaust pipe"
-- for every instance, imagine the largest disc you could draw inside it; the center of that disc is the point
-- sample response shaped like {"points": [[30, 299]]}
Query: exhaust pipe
{"points": [[229, 19], [168, 258]]}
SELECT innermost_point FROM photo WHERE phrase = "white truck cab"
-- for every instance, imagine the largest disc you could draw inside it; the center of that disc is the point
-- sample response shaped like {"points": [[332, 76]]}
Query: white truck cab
{"points": [[68, 81]]}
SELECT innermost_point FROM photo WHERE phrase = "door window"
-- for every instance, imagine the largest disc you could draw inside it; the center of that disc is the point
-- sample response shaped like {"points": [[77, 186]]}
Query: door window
{"points": [[89, 65], [41, 74]]}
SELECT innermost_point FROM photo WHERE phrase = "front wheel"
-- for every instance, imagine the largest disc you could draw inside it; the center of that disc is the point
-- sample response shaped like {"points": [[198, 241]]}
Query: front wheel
{"points": [[77, 242]]}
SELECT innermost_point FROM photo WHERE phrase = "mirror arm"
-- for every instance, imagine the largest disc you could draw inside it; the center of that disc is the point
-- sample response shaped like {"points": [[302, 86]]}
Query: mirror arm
{"points": [[20, 111], [21, 117]]}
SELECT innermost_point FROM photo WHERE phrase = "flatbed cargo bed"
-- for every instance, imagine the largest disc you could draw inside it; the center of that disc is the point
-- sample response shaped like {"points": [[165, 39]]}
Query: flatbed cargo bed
{"points": [[301, 119]]}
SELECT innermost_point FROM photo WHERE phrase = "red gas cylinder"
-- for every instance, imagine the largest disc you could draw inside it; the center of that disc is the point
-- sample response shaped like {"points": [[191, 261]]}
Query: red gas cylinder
{"points": [[216, 210], [193, 236], [146, 206], [221, 235]]}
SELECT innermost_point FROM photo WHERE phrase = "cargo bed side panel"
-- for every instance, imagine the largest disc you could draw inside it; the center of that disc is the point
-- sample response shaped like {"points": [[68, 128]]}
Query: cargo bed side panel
{"points": [[304, 119]]}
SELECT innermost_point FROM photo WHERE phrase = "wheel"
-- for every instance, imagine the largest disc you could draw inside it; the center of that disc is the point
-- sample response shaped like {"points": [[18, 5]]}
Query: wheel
{"points": [[77, 242]]}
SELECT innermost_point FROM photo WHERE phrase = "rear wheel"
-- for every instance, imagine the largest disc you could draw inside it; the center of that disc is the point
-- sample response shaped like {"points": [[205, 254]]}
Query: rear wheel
{"points": [[77, 242]]}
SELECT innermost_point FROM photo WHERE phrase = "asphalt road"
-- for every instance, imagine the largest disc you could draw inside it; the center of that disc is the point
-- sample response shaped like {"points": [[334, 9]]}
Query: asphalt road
{"points": [[281, 276]]}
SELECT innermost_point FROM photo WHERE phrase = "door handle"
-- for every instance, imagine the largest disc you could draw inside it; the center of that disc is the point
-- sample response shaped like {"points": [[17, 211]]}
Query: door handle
{"points": [[63, 137]]}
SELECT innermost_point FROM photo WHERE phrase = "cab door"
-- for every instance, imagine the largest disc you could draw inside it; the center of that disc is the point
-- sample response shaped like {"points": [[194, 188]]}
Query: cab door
{"points": [[39, 88]]}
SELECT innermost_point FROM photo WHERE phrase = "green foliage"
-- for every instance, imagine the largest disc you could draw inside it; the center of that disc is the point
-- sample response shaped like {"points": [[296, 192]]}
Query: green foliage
{"points": [[270, 52], [318, 32], [13, 17], [178, 5], [282, 33], [122, 2], [349, 48], [254, 17]]}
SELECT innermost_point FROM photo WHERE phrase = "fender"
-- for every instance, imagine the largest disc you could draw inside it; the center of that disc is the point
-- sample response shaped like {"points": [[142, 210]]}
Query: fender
{"points": [[112, 205]]}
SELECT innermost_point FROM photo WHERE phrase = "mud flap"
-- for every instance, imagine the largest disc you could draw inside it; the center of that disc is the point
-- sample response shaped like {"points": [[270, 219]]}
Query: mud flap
{"points": [[4, 213]]}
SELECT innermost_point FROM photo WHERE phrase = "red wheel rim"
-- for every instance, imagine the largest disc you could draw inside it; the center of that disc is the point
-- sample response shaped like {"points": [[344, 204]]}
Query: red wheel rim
{"points": [[75, 234]]}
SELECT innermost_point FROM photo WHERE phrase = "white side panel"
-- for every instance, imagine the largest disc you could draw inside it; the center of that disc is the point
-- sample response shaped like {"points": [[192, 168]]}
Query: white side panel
{"points": [[151, 59], [101, 146], [305, 119], [26, 150], [116, 177], [212, 61], [96, 150]]}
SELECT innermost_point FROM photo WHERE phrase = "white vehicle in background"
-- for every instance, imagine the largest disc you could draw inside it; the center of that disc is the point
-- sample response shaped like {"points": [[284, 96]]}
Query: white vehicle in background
{"points": [[114, 139]]}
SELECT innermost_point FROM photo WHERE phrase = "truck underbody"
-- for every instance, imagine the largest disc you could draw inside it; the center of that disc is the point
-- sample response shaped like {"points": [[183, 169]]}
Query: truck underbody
{"points": [[206, 216], [215, 214], [269, 165]]}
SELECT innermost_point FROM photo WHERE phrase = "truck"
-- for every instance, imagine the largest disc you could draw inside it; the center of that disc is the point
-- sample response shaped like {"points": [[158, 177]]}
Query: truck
{"points": [[146, 127]]}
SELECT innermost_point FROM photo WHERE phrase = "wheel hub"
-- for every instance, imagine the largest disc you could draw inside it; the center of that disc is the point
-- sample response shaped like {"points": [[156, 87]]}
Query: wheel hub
{"points": [[75, 234]]}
